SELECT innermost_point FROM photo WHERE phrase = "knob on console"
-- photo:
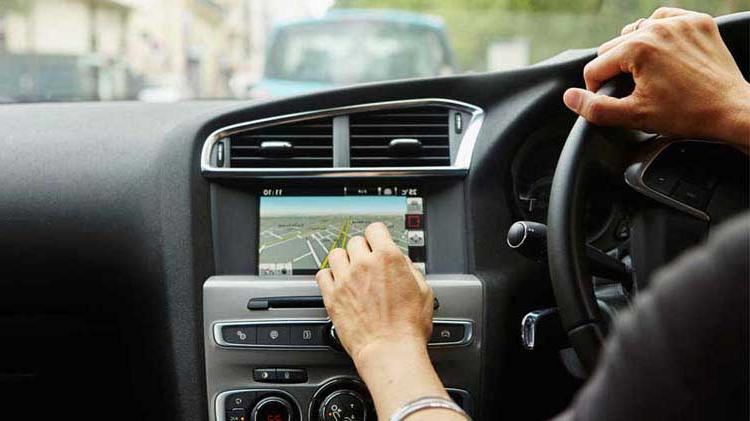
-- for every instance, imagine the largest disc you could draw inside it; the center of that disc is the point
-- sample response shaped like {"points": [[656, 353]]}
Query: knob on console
{"points": [[272, 408], [343, 405], [342, 399]]}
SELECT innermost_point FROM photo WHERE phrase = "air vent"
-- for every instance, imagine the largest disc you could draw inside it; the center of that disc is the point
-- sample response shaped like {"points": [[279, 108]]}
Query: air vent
{"points": [[301, 144], [401, 137]]}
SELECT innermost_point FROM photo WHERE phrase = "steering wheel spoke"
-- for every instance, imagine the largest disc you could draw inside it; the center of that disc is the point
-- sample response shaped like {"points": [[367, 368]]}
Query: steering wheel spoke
{"points": [[667, 173]]}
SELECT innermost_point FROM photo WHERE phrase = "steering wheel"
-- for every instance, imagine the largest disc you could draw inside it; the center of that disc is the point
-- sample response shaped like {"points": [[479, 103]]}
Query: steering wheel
{"points": [[590, 154], [592, 158]]}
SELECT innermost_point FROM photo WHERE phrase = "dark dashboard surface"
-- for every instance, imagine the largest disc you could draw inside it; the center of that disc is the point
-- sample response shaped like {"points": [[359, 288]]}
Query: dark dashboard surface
{"points": [[107, 221], [105, 231]]}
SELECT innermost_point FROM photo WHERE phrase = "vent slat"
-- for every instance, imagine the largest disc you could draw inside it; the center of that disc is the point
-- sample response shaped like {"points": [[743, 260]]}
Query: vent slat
{"points": [[290, 136], [382, 147], [372, 132], [400, 163], [293, 158], [311, 140], [354, 126], [411, 115], [377, 136], [298, 147]]}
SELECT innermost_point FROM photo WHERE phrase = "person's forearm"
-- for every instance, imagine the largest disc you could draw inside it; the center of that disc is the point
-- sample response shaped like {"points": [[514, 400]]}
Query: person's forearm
{"points": [[397, 373]]}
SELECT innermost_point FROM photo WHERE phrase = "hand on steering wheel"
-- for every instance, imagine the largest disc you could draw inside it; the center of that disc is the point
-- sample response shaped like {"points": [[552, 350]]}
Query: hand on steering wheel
{"points": [[686, 81], [687, 84]]}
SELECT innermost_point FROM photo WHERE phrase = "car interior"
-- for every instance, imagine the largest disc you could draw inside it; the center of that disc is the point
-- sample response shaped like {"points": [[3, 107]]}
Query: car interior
{"points": [[158, 260]]}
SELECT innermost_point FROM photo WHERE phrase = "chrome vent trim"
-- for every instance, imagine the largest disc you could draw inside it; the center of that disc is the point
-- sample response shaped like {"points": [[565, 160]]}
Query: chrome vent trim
{"points": [[309, 144], [426, 128], [460, 162]]}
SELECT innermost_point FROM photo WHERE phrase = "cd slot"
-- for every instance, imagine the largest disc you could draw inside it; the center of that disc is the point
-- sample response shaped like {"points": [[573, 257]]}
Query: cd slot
{"points": [[300, 301]]}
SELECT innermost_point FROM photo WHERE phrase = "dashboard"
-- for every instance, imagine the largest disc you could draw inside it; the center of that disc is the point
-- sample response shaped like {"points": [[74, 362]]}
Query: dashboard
{"points": [[167, 251]]}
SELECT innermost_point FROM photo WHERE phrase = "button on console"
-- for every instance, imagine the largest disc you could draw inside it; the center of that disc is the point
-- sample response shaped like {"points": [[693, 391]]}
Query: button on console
{"points": [[239, 401], [447, 333], [273, 335], [265, 375], [307, 334], [237, 415], [291, 375], [244, 335]]}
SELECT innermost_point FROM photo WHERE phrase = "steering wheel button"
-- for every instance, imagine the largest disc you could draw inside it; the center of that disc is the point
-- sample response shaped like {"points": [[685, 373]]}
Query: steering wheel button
{"points": [[661, 180], [698, 176], [691, 195]]}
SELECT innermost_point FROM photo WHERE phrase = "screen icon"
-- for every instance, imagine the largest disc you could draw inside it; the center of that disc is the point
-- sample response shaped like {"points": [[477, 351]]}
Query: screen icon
{"points": [[414, 205], [420, 266], [415, 238], [283, 269], [267, 269], [413, 222]]}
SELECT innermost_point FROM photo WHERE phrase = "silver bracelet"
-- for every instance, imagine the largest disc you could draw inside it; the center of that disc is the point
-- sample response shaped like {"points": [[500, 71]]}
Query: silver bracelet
{"points": [[427, 402]]}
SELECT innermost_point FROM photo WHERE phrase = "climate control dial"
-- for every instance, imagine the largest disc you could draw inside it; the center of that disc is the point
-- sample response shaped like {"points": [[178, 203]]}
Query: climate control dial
{"points": [[342, 399], [272, 408], [343, 405]]}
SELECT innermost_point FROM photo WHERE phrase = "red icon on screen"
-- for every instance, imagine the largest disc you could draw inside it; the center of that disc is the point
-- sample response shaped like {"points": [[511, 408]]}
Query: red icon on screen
{"points": [[274, 417], [413, 221]]}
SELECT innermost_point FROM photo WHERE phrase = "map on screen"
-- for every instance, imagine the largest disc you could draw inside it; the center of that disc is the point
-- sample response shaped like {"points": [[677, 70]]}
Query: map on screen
{"points": [[297, 232]]}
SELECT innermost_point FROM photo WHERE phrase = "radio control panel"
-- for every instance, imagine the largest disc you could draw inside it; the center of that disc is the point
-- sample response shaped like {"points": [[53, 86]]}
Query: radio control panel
{"points": [[272, 352]]}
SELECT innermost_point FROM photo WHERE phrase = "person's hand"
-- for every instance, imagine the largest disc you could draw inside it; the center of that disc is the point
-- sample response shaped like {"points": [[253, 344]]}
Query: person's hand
{"points": [[687, 83], [381, 307], [374, 295]]}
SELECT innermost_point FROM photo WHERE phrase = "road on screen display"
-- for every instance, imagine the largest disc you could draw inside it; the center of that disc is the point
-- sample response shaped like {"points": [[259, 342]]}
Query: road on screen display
{"points": [[301, 230]]}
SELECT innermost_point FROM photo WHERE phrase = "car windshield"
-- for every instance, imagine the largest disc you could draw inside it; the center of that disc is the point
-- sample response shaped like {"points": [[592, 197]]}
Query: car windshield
{"points": [[369, 51], [179, 50]]}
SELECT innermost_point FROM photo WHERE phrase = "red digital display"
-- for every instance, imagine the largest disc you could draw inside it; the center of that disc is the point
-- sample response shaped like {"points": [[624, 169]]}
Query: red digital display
{"points": [[274, 417], [413, 221]]}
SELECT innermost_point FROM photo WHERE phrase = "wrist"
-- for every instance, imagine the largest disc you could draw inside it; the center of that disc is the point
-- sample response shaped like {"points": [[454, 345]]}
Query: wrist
{"points": [[386, 350], [735, 124], [397, 371]]}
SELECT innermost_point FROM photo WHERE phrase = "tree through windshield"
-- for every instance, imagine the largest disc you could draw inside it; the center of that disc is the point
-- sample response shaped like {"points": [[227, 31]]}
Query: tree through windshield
{"points": [[176, 50]]}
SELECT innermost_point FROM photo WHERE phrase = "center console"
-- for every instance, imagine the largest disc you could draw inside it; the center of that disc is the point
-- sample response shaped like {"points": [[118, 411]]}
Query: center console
{"points": [[291, 353], [272, 353]]}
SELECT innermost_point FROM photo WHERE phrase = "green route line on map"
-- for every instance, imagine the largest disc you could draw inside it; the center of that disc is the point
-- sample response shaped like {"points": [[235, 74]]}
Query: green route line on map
{"points": [[283, 239], [340, 240]]}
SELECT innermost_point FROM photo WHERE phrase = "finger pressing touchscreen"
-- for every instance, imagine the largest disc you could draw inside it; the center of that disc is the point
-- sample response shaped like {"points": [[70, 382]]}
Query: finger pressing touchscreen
{"points": [[298, 228]]}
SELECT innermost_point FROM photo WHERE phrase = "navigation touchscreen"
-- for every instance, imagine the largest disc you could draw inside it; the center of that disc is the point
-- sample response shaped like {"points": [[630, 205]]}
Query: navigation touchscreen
{"points": [[298, 227]]}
